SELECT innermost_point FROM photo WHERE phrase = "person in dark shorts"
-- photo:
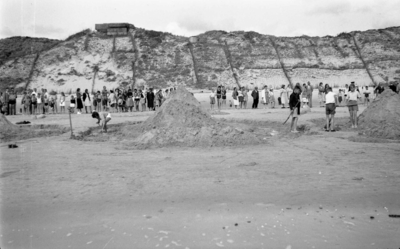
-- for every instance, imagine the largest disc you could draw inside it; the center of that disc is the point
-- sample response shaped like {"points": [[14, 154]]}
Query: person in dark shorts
{"points": [[331, 101], [219, 96], [294, 104], [104, 98], [352, 104], [223, 94]]}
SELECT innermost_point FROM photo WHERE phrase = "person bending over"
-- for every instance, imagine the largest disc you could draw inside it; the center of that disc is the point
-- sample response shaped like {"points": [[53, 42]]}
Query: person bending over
{"points": [[103, 117]]}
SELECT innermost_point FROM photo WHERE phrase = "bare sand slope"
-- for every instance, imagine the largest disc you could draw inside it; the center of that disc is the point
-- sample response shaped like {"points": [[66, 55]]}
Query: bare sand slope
{"points": [[307, 191]]}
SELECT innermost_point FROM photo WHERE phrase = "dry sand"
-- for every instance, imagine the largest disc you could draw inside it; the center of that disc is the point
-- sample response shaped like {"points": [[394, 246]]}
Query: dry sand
{"points": [[311, 190]]}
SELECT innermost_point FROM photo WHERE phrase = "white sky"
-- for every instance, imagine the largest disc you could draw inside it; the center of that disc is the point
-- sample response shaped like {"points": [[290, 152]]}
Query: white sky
{"points": [[61, 18]]}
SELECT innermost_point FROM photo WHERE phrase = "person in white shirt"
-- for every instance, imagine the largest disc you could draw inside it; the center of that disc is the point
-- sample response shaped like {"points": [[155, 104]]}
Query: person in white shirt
{"points": [[330, 109], [352, 104], [104, 117], [212, 99]]}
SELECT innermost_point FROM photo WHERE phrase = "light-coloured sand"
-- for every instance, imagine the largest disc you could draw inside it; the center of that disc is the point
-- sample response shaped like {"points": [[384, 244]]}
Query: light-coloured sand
{"points": [[308, 191]]}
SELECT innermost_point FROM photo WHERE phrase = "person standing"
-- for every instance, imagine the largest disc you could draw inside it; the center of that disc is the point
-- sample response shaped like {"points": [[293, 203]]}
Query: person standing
{"points": [[294, 104], [62, 102], [129, 102], [79, 103], [265, 96], [256, 95], [331, 101], [283, 96], [212, 99], [321, 94], [352, 103], [271, 97], [104, 99], [12, 102], [241, 93], [5, 100], [245, 97], [219, 97], [366, 95], [142, 100], [150, 99], [310, 90], [87, 100], [235, 97], [223, 96]]}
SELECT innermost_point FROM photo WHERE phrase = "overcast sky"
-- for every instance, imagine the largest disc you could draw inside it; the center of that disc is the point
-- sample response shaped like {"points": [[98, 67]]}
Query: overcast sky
{"points": [[61, 18]]}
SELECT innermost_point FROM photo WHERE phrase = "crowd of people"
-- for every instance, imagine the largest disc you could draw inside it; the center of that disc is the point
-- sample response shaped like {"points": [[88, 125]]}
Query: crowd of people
{"points": [[113, 100]]}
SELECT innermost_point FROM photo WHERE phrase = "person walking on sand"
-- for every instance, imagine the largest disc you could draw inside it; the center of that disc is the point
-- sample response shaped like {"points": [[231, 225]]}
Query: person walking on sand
{"points": [[104, 118], [294, 104], [331, 100], [87, 101], [352, 103]]}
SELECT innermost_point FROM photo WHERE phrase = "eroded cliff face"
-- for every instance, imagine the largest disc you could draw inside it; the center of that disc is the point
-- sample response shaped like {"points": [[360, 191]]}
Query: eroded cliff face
{"points": [[148, 58]]}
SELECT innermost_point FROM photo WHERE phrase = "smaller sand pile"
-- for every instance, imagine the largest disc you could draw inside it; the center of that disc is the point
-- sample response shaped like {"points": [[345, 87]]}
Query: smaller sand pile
{"points": [[6, 125], [181, 121], [382, 117]]}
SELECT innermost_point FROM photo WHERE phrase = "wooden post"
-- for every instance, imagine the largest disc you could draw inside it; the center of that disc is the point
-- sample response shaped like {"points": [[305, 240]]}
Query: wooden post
{"points": [[70, 122]]}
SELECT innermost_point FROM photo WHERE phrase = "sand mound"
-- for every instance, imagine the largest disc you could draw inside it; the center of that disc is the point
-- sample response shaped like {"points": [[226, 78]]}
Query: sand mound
{"points": [[181, 121], [382, 117], [6, 125]]}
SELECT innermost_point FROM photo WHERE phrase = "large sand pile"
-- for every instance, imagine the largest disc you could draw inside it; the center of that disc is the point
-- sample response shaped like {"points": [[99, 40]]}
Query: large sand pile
{"points": [[382, 117], [181, 121]]}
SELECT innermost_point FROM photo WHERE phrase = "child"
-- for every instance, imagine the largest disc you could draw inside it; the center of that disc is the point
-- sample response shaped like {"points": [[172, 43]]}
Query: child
{"points": [[105, 117], [62, 102], [72, 104], [212, 99]]}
